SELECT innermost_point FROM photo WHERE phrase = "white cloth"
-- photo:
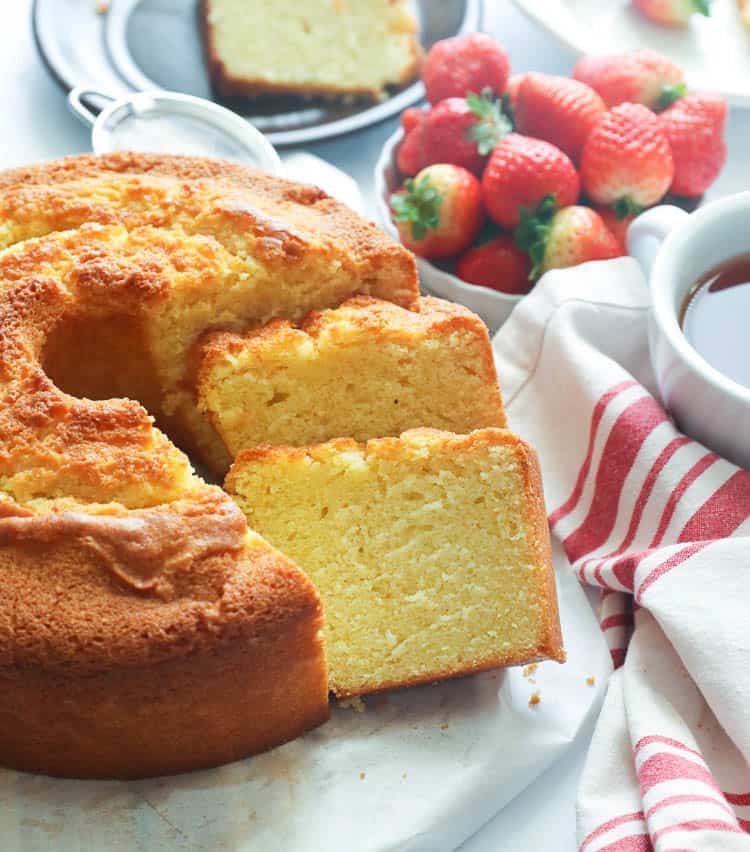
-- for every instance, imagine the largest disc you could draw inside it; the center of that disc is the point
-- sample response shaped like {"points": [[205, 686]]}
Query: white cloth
{"points": [[660, 524]]}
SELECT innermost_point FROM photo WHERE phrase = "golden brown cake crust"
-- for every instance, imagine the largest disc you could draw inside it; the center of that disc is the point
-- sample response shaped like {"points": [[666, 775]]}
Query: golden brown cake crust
{"points": [[288, 219], [230, 86]]}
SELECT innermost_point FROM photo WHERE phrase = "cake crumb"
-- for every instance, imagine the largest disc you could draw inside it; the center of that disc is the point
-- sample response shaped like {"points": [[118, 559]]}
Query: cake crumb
{"points": [[530, 670], [591, 680], [362, 776], [444, 726], [102, 7], [535, 698], [354, 703]]}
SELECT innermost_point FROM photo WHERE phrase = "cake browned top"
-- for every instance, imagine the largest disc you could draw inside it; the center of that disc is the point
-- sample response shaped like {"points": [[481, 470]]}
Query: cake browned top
{"points": [[233, 203]]}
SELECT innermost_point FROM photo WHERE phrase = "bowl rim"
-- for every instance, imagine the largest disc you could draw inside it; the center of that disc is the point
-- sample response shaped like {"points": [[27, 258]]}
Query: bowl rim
{"points": [[385, 159]]}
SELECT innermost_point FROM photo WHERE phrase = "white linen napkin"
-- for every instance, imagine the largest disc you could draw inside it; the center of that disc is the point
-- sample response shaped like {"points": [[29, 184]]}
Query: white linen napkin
{"points": [[660, 524]]}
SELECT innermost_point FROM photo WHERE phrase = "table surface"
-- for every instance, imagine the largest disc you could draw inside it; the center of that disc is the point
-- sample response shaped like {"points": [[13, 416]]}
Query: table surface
{"points": [[38, 126]]}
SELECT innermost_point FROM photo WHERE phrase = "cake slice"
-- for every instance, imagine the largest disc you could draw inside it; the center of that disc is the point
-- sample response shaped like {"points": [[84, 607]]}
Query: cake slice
{"points": [[431, 551], [366, 369], [329, 48]]}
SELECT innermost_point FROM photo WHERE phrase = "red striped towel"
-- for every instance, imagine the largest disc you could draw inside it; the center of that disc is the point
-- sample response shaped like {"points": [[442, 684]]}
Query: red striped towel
{"points": [[661, 525]]}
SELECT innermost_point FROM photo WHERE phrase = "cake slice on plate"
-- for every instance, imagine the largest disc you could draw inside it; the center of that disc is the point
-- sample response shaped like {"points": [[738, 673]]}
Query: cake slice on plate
{"points": [[330, 48], [431, 551]]}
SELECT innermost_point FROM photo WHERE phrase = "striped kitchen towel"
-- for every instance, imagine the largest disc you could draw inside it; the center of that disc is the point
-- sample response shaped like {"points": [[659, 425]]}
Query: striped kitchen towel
{"points": [[661, 526]]}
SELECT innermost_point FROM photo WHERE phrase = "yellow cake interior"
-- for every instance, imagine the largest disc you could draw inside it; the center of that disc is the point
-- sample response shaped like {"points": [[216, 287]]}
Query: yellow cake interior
{"points": [[319, 46], [429, 550], [366, 369]]}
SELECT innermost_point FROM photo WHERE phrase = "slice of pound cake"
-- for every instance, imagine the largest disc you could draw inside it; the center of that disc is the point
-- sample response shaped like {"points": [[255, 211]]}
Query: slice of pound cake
{"points": [[329, 48], [431, 551], [367, 369]]}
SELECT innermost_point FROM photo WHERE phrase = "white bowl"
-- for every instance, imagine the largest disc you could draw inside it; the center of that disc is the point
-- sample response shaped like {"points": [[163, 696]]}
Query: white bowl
{"points": [[492, 306]]}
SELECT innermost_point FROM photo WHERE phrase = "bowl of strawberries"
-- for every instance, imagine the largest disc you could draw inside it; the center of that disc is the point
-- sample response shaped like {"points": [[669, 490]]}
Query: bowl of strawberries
{"points": [[501, 178]]}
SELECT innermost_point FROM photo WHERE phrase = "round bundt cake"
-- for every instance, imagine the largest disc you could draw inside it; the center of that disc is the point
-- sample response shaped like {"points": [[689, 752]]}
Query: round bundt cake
{"points": [[143, 628]]}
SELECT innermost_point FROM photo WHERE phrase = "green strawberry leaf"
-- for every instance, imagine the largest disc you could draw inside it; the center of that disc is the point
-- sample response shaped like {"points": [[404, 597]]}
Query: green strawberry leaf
{"points": [[625, 207], [702, 7], [489, 231], [670, 94], [533, 230], [419, 204], [493, 122]]}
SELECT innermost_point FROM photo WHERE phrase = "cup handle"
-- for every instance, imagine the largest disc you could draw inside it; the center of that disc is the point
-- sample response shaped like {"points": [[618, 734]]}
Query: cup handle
{"points": [[647, 233]]}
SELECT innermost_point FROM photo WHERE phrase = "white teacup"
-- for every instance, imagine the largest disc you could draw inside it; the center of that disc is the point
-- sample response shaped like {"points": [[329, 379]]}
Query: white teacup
{"points": [[675, 249]]}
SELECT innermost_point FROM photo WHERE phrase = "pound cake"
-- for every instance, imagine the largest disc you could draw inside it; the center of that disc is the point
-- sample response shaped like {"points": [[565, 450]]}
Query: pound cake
{"points": [[431, 551], [329, 48], [367, 369], [145, 629], [193, 244]]}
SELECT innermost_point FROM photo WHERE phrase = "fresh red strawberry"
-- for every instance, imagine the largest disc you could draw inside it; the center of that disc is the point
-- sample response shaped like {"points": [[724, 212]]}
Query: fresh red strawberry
{"points": [[412, 117], [511, 91], [627, 161], [557, 109], [673, 13], [463, 131], [462, 64], [521, 172], [439, 213], [410, 156], [617, 226], [498, 264], [694, 126], [640, 77], [562, 238]]}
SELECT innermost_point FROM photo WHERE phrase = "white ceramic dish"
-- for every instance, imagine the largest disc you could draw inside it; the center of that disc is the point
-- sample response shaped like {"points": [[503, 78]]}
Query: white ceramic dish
{"points": [[493, 307], [714, 51]]}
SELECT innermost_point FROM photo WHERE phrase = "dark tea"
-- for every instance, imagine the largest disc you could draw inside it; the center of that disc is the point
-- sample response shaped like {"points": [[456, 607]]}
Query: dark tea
{"points": [[716, 318]]}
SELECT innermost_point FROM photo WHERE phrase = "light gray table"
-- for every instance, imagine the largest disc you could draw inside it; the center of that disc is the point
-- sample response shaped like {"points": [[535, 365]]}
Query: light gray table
{"points": [[38, 126]]}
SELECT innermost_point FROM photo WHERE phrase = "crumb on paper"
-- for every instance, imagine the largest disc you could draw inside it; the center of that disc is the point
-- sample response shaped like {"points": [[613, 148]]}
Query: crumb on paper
{"points": [[354, 703], [535, 698], [444, 726], [530, 670], [102, 7], [591, 680], [362, 776]]}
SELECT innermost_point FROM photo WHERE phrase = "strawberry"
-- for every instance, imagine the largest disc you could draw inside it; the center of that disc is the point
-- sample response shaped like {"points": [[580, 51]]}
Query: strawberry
{"points": [[439, 213], [498, 264], [521, 172], [627, 161], [463, 131], [640, 77], [410, 155], [412, 117], [557, 109], [694, 127], [673, 13], [511, 91], [617, 226], [555, 239], [462, 64]]}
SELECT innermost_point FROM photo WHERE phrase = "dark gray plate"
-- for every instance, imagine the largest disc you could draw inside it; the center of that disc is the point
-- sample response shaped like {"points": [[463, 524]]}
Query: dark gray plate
{"points": [[155, 44]]}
